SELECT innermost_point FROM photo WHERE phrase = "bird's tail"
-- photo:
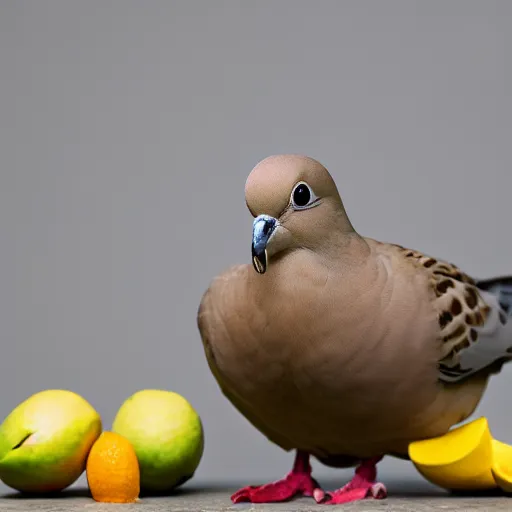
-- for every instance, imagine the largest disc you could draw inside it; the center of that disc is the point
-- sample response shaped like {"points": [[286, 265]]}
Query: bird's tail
{"points": [[497, 333], [501, 288]]}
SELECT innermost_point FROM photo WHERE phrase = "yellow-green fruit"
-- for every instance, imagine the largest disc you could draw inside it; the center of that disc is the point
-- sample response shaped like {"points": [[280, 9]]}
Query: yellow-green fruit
{"points": [[45, 440], [167, 435]]}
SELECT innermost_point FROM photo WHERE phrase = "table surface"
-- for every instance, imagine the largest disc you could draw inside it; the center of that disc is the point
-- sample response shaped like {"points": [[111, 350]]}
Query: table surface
{"points": [[196, 497]]}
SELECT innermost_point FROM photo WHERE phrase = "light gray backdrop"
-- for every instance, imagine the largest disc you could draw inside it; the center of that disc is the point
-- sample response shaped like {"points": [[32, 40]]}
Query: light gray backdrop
{"points": [[127, 130]]}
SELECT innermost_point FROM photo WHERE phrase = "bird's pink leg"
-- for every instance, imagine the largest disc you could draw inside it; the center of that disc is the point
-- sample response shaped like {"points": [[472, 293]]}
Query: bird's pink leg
{"points": [[298, 482], [363, 485]]}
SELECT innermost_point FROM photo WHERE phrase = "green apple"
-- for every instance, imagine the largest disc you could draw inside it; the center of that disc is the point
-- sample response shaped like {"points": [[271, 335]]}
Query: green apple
{"points": [[167, 435], [45, 440]]}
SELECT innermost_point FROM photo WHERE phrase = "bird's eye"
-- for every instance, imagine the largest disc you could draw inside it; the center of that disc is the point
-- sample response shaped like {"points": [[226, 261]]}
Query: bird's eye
{"points": [[302, 196]]}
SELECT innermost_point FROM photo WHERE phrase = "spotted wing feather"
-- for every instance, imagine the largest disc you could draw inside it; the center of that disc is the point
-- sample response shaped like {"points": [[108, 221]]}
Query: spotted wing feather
{"points": [[474, 318]]}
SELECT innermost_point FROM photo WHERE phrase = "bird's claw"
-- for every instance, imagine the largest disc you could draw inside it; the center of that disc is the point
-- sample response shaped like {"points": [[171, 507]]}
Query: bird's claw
{"points": [[349, 493]]}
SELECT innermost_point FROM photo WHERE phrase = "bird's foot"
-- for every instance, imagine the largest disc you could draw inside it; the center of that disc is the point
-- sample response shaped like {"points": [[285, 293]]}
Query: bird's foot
{"points": [[298, 482], [363, 485]]}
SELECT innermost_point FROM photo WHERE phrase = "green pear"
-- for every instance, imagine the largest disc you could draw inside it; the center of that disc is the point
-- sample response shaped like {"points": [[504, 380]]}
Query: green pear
{"points": [[167, 435], [45, 440]]}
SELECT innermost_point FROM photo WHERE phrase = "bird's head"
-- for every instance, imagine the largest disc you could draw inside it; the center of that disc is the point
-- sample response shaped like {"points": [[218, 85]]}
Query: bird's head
{"points": [[295, 203]]}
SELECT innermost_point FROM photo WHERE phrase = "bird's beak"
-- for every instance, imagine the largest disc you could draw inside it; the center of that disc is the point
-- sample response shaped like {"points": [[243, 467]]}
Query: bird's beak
{"points": [[262, 229]]}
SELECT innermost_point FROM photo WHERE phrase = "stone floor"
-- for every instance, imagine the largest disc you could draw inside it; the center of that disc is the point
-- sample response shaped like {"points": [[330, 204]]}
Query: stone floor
{"points": [[197, 497]]}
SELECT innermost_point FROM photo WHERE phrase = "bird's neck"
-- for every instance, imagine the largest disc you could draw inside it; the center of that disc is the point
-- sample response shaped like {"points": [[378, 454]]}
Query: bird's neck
{"points": [[343, 248]]}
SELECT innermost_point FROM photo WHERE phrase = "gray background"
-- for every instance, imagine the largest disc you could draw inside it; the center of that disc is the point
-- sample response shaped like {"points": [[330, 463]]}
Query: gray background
{"points": [[127, 130]]}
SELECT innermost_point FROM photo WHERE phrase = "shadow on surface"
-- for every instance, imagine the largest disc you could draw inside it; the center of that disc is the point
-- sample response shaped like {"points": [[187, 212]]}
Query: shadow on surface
{"points": [[66, 493], [396, 489], [415, 488], [188, 490], [80, 492]]}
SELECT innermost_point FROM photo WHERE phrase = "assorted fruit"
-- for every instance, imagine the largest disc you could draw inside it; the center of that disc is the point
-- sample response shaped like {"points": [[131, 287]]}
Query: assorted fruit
{"points": [[467, 458], [157, 441], [50, 439]]}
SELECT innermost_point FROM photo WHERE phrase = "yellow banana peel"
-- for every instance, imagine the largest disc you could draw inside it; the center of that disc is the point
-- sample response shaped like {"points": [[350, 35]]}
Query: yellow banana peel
{"points": [[502, 467], [466, 458]]}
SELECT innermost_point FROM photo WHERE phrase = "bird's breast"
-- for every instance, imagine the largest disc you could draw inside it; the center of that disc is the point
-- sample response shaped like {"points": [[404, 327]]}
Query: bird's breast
{"points": [[306, 335], [322, 357]]}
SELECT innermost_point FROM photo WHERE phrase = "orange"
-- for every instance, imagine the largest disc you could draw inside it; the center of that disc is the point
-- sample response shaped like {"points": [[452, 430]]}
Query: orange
{"points": [[112, 470]]}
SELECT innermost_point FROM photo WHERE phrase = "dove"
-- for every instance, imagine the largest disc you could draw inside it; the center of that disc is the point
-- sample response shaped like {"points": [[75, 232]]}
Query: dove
{"points": [[340, 347]]}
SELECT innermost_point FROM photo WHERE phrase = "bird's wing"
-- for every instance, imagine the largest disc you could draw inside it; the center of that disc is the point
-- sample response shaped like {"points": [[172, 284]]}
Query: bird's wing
{"points": [[474, 318]]}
